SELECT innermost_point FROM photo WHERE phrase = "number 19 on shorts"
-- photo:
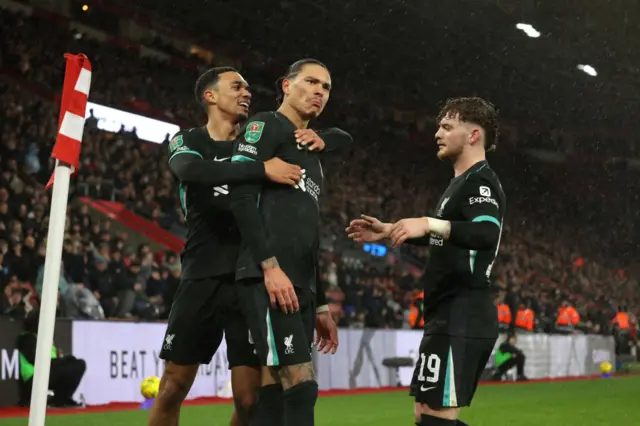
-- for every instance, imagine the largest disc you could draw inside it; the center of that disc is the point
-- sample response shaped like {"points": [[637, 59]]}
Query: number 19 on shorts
{"points": [[432, 364]]}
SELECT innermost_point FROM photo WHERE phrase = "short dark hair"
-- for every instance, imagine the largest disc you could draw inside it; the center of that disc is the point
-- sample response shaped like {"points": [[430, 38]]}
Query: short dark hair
{"points": [[207, 80], [478, 111], [293, 70]]}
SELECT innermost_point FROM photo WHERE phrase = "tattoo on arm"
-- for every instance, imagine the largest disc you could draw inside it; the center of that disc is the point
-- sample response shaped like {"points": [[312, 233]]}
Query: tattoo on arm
{"points": [[270, 263]]}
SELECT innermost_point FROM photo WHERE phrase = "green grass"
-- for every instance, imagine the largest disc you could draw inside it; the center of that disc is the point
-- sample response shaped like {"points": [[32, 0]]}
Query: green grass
{"points": [[605, 402]]}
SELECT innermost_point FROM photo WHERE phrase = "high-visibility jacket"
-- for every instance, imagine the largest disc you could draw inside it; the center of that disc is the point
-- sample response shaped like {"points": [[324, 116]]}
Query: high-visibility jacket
{"points": [[622, 319], [504, 314], [524, 319], [416, 311], [567, 316]]}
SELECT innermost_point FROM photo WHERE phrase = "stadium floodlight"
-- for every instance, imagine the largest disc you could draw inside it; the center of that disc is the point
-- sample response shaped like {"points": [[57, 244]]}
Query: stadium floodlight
{"points": [[528, 30], [588, 69]]}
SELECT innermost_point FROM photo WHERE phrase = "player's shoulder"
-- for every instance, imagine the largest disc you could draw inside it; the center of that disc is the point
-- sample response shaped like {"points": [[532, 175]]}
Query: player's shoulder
{"points": [[262, 119], [261, 124], [483, 174], [187, 140]]}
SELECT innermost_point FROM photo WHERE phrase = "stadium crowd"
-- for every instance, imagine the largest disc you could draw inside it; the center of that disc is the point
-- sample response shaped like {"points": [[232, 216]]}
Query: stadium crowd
{"points": [[551, 249]]}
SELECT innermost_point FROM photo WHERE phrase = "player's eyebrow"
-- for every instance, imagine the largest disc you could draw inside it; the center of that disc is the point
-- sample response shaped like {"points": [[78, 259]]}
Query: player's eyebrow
{"points": [[325, 84]]}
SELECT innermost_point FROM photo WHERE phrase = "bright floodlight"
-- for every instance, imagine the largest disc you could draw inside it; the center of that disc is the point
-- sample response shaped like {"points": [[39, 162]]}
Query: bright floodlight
{"points": [[588, 69], [528, 30]]}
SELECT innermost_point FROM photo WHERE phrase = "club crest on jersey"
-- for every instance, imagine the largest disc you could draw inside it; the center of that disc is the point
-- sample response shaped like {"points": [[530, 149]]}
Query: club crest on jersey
{"points": [[176, 143], [254, 131]]}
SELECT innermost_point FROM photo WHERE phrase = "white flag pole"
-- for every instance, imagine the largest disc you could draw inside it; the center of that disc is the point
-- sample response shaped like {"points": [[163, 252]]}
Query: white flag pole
{"points": [[49, 296]]}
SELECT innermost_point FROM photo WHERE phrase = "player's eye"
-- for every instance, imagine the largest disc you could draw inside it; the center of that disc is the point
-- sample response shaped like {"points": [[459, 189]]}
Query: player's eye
{"points": [[326, 87]]}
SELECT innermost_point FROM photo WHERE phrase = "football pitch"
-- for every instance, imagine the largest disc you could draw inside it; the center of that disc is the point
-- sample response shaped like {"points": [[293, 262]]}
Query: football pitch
{"points": [[597, 402]]}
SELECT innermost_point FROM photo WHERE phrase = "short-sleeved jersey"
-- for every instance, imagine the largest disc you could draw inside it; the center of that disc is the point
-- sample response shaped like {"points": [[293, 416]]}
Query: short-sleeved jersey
{"points": [[458, 299], [213, 239], [290, 216]]}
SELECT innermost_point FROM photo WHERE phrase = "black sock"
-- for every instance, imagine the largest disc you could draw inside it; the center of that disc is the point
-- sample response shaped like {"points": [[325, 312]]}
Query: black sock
{"points": [[269, 410], [299, 404], [461, 423], [436, 421]]}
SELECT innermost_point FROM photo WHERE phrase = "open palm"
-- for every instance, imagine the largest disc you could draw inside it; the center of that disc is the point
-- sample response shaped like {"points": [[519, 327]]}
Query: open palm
{"points": [[368, 229]]}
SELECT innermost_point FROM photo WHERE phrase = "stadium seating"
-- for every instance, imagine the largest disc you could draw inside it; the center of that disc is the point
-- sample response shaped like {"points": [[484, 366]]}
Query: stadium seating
{"points": [[551, 250]]}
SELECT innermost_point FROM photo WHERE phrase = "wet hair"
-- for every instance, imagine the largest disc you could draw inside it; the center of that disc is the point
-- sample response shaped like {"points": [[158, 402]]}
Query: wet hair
{"points": [[477, 111], [292, 72], [208, 80]]}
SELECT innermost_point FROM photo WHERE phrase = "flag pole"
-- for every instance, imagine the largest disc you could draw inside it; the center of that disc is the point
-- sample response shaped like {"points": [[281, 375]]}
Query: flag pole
{"points": [[49, 297]]}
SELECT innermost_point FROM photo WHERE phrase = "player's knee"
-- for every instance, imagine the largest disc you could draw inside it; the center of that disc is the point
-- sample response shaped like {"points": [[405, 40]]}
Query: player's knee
{"points": [[245, 403], [175, 384], [292, 375]]}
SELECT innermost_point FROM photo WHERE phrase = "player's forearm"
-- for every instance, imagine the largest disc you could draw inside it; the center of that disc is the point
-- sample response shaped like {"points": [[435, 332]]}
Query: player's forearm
{"points": [[335, 139], [197, 170], [245, 210]]}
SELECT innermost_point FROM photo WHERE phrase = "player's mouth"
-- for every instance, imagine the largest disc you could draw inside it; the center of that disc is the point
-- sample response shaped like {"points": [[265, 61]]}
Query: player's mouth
{"points": [[245, 106], [316, 102], [441, 146]]}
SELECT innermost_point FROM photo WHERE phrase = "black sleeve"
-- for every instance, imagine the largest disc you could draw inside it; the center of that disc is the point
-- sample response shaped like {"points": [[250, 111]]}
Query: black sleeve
{"points": [[422, 241], [321, 296], [258, 142], [335, 140], [509, 349], [480, 208], [188, 165]]}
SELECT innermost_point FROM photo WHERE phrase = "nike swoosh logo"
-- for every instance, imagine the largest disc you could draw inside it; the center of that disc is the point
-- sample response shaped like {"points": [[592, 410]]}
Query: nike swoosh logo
{"points": [[424, 389], [221, 159]]}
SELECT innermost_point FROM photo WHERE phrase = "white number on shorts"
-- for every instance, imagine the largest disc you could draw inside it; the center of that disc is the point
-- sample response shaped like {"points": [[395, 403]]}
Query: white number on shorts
{"points": [[433, 365]]}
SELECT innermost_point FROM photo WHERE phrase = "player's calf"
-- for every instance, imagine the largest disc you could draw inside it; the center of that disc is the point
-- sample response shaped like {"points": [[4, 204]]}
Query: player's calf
{"points": [[174, 386], [427, 416], [300, 394]]}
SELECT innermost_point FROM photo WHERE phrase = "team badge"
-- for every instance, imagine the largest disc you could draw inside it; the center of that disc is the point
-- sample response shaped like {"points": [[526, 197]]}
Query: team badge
{"points": [[176, 143], [254, 131]]}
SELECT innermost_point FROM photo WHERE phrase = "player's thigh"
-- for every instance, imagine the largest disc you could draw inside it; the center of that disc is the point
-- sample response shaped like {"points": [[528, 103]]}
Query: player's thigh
{"points": [[280, 339], [194, 330], [241, 351], [446, 373]]}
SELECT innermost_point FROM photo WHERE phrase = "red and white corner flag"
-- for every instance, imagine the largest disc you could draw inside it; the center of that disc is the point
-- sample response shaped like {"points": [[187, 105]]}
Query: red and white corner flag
{"points": [[73, 106]]}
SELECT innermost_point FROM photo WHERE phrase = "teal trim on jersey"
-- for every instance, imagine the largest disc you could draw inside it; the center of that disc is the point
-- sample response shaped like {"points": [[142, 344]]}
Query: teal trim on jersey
{"points": [[241, 159], [272, 355], [450, 397], [473, 253], [486, 218], [472, 259], [189, 151], [182, 195]]}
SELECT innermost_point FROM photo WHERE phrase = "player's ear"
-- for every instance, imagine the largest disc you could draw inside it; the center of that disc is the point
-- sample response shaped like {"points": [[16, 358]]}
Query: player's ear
{"points": [[475, 136], [210, 96], [286, 86]]}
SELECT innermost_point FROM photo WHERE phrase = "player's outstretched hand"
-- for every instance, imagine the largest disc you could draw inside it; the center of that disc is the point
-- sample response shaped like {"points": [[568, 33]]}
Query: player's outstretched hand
{"points": [[326, 333], [368, 229], [405, 229], [306, 137], [280, 289], [279, 171]]}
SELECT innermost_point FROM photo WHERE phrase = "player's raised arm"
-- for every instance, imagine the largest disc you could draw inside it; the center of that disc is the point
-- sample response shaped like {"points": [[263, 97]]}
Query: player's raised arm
{"points": [[189, 166], [336, 140], [258, 142], [479, 231], [324, 141]]}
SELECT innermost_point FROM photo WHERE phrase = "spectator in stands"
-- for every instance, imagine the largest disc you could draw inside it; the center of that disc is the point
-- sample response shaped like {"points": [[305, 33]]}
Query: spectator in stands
{"points": [[66, 370]]}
